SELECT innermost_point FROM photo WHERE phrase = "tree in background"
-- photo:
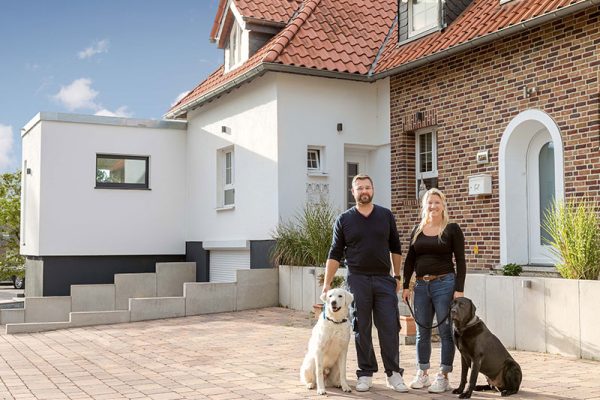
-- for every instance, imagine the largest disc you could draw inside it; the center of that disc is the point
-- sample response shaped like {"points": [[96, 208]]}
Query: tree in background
{"points": [[11, 262]]}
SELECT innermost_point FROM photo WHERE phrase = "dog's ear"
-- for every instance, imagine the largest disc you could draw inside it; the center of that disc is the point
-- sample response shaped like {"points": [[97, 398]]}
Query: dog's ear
{"points": [[349, 297], [323, 297], [473, 309]]}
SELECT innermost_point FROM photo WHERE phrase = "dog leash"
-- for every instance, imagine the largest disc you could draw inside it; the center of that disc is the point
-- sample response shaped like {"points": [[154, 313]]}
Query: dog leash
{"points": [[427, 327]]}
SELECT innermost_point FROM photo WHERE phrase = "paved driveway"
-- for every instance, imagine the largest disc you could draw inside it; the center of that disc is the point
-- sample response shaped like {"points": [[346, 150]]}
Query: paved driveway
{"points": [[246, 355]]}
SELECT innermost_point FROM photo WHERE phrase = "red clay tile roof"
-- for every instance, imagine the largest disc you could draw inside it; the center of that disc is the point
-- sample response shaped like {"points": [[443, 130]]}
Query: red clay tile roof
{"points": [[330, 35], [345, 36], [268, 10], [481, 18]]}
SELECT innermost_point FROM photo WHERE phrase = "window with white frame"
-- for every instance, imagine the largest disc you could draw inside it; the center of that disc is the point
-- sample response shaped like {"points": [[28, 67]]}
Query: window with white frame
{"points": [[426, 158], [234, 48], [226, 177], [315, 160], [423, 15]]}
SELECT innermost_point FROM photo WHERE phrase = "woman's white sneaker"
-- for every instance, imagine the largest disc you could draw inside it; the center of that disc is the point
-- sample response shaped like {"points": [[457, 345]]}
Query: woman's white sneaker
{"points": [[440, 384], [420, 381]]}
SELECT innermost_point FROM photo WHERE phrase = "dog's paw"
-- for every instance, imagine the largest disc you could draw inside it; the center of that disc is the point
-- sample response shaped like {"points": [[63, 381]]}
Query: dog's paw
{"points": [[310, 385], [346, 388], [458, 390], [321, 391], [465, 395]]}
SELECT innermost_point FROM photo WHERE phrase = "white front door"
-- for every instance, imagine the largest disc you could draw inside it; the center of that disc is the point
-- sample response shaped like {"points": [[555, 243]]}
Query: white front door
{"points": [[355, 163], [540, 195]]}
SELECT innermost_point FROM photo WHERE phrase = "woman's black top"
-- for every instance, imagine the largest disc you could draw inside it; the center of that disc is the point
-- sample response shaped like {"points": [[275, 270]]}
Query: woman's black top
{"points": [[430, 256]]}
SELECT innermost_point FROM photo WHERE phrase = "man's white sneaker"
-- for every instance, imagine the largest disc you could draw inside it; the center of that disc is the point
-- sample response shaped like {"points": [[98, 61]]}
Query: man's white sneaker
{"points": [[396, 382], [364, 383], [420, 381], [440, 384]]}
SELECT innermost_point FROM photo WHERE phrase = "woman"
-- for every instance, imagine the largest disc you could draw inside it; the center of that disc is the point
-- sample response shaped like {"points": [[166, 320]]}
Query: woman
{"points": [[432, 244]]}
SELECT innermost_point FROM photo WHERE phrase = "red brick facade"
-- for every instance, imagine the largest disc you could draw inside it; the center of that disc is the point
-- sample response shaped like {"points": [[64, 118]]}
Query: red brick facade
{"points": [[471, 98]]}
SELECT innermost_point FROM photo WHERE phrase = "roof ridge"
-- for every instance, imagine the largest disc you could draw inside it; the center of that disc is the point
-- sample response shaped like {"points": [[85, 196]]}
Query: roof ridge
{"points": [[290, 31]]}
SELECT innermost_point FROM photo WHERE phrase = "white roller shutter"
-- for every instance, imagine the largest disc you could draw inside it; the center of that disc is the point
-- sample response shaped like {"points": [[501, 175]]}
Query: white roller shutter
{"points": [[224, 263]]}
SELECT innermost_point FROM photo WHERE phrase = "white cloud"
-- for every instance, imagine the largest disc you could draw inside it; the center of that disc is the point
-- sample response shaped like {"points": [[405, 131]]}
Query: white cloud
{"points": [[79, 94], [31, 66], [6, 146], [100, 46], [181, 96], [119, 112]]}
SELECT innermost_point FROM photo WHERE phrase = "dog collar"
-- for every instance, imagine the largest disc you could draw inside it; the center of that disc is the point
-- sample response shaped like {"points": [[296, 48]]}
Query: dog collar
{"points": [[332, 320]]}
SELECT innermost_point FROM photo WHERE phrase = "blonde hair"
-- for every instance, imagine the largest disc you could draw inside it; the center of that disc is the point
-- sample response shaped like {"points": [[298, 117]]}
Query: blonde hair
{"points": [[425, 217]]}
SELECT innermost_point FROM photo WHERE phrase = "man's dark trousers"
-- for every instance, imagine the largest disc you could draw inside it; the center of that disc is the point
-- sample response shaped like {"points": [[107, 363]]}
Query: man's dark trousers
{"points": [[375, 295]]}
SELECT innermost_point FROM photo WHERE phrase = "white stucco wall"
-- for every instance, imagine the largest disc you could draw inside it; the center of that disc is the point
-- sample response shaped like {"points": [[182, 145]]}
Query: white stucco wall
{"points": [[30, 191], [309, 110], [250, 115], [78, 219]]}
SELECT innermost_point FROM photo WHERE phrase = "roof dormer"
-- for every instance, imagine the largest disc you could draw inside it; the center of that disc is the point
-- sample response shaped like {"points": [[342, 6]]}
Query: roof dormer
{"points": [[419, 18], [241, 28]]}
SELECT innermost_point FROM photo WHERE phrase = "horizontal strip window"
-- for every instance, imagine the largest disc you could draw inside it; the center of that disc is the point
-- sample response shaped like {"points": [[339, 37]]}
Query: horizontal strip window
{"points": [[121, 172]]}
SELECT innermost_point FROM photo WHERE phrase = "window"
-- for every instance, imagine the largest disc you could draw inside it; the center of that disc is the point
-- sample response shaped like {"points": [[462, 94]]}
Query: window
{"points": [[121, 172], [426, 158], [315, 161], [235, 45], [423, 15], [351, 171], [226, 178]]}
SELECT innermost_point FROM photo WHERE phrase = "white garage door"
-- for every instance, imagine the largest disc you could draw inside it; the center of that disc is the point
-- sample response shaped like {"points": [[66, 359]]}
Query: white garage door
{"points": [[224, 263]]}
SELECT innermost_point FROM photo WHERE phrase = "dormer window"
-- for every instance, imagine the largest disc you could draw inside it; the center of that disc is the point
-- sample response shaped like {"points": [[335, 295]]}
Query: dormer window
{"points": [[423, 15], [234, 48]]}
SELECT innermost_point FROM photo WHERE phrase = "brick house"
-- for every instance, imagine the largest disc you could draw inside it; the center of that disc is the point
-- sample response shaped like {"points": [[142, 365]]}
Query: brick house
{"points": [[506, 92]]}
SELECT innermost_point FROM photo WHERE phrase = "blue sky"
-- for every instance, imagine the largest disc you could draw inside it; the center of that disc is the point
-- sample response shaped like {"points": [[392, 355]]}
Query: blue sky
{"points": [[128, 58]]}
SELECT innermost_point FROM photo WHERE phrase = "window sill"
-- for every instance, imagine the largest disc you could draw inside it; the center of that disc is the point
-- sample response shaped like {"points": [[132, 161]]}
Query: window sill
{"points": [[316, 173], [419, 36], [121, 188], [225, 208]]}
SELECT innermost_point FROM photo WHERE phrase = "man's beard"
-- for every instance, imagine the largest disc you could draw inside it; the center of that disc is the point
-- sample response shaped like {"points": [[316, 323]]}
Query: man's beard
{"points": [[364, 199]]}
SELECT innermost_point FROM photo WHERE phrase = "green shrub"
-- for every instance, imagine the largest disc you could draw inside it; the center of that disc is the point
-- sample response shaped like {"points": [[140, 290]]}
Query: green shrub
{"points": [[512, 269], [306, 238], [336, 282], [574, 229]]}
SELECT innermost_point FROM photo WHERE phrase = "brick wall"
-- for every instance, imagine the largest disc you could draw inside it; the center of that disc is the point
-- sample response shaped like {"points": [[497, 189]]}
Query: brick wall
{"points": [[473, 96]]}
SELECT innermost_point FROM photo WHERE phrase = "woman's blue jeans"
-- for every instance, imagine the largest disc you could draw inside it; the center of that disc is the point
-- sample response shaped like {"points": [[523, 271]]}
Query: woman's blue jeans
{"points": [[429, 298]]}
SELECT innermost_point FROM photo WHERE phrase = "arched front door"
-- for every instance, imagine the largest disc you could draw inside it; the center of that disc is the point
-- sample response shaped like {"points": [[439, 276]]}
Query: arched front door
{"points": [[541, 193], [530, 178]]}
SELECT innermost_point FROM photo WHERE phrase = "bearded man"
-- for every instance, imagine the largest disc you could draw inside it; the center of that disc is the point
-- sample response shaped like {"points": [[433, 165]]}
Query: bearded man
{"points": [[366, 235]]}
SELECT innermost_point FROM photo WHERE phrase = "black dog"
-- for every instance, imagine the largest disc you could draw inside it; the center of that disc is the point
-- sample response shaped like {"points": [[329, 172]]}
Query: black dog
{"points": [[481, 350]]}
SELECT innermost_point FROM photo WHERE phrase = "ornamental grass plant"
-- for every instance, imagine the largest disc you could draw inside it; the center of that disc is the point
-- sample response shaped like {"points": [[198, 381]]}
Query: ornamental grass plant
{"points": [[304, 240], [574, 230]]}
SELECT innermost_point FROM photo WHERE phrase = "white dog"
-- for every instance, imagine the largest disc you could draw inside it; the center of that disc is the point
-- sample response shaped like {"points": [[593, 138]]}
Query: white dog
{"points": [[325, 361]]}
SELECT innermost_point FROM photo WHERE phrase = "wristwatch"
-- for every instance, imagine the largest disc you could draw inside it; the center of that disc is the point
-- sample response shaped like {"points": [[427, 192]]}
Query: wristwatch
{"points": [[398, 277]]}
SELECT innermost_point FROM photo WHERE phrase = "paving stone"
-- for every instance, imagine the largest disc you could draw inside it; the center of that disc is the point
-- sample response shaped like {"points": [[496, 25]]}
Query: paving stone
{"points": [[254, 354]]}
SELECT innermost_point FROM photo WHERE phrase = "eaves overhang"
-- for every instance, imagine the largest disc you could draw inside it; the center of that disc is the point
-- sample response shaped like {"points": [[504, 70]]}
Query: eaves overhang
{"points": [[255, 72]]}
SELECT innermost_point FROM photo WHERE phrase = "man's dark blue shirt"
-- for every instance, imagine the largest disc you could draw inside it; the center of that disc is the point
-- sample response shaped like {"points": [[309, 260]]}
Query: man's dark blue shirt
{"points": [[367, 241]]}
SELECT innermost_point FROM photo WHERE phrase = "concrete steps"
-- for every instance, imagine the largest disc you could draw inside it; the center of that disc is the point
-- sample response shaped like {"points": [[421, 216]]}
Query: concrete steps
{"points": [[171, 292]]}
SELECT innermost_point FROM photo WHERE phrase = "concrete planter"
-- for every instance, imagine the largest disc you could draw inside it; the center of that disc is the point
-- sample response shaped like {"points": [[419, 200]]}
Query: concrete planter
{"points": [[299, 287], [552, 315]]}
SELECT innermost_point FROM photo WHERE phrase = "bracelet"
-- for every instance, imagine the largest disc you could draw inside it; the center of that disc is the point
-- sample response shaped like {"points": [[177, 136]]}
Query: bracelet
{"points": [[398, 277]]}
